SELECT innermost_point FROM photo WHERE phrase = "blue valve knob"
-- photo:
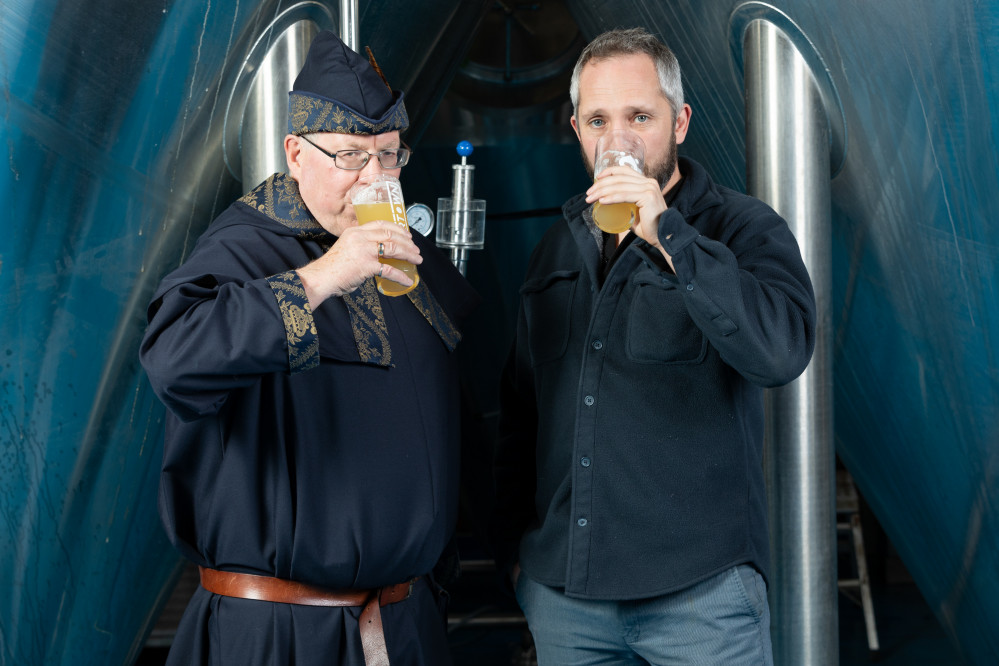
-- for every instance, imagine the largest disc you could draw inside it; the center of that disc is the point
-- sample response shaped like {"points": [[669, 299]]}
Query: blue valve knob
{"points": [[465, 149]]}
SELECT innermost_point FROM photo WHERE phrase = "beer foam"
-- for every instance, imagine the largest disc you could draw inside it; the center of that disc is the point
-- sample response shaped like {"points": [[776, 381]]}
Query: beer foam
{"points": [[380, 189], [611, 158]]}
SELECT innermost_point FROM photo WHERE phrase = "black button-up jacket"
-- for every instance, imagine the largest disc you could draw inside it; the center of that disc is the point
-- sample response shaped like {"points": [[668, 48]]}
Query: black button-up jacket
{"points": [[630, 453]]}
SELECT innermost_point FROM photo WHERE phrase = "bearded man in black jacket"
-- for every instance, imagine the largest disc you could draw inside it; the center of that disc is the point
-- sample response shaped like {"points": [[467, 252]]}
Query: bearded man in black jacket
{"points": [[630, 493]]}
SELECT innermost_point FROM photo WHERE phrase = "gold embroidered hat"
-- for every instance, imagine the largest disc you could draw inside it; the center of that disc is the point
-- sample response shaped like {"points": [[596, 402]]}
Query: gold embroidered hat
{"points": [[339, 91]]}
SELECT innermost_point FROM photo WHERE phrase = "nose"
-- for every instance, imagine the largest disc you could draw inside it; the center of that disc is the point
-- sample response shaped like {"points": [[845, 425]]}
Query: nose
{"points": [[373, 167]]}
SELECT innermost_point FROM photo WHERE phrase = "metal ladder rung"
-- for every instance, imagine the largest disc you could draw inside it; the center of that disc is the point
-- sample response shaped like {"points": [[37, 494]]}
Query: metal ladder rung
{"points": [[848, 504]]}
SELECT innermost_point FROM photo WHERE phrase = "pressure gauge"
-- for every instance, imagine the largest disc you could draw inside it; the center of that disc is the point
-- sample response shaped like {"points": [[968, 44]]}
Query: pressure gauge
{"points": [[420, 218]]}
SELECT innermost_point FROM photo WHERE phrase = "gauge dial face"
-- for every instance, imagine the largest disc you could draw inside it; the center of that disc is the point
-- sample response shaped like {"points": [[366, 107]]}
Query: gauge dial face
{"points": [[420, 218]]}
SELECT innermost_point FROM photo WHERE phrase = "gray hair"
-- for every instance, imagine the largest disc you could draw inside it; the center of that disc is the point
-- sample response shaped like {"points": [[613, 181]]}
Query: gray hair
{"points": [[628, 42]]}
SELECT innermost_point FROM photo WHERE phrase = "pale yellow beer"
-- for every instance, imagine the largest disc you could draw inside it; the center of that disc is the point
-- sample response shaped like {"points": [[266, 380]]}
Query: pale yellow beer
{"points": [[392, 212], [617, 148], [614, 218]]}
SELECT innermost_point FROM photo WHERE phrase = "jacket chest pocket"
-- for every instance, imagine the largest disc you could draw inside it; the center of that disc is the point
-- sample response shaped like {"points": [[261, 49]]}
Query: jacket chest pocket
{"points": [[659, 328], [548, 310]]}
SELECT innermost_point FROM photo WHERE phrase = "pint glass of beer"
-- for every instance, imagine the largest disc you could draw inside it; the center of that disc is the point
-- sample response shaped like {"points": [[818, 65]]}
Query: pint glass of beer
{"points": [[624, 148], [379, 197]]}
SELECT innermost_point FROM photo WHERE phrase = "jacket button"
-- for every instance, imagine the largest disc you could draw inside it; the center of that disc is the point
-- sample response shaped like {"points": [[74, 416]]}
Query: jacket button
{"points": [[588, 401], [690, 286], [581, 522], [598, 345], [585, 462]]}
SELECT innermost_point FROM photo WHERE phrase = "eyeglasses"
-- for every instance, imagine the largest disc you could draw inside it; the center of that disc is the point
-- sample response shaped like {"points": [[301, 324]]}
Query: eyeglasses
{"points": [[353, 160]]}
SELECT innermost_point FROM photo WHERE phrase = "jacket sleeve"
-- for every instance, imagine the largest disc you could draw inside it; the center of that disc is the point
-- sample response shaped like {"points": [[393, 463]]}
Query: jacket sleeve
{"points": [[214, 328], [514, 460], [748, 291]]}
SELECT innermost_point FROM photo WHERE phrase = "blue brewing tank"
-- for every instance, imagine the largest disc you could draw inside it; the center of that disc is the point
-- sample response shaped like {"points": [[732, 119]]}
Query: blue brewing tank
{"points": [[112, 165]]}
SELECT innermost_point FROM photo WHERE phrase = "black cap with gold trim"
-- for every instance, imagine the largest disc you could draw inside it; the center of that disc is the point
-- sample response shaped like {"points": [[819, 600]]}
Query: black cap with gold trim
{"points": [[339, 91]]}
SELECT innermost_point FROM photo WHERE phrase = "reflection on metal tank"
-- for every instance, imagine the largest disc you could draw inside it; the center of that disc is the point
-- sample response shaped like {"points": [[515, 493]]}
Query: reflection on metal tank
{"points": [[915, 240], [788, 149], [114, 116]]}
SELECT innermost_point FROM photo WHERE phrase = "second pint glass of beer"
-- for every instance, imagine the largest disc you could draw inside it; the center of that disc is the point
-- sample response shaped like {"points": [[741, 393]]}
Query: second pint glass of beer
{"points": [[379, 197], [614, 148]]}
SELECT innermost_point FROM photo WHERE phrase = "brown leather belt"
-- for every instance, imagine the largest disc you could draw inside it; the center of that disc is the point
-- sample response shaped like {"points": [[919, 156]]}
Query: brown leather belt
{"points": [[266, 588]]}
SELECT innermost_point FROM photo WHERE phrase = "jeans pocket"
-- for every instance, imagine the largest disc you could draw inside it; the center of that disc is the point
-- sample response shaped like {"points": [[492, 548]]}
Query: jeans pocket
{"points": [[518, 588], [755, 589]]}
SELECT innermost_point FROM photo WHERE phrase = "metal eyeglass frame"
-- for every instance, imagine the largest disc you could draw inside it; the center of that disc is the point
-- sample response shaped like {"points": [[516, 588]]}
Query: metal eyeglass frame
{"points": [[402, 154]]}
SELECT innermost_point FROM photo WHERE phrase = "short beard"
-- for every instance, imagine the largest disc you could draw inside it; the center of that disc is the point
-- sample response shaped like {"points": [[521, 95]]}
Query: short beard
{"points": [[587, 162], [665, 169], [662, 171]]}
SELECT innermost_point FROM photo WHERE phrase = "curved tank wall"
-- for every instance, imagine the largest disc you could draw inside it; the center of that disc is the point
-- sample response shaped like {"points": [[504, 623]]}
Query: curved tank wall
{"points": [[915, 247], [113, 115], [113, 164]]}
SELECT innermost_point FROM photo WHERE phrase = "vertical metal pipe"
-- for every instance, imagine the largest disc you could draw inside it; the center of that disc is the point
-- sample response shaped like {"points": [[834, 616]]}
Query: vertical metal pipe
{"points": [[265, 120], [788, 166], [349, 25]]}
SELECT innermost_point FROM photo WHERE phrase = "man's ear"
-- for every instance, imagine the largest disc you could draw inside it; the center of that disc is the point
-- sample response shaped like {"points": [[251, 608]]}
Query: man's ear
{"points": [[292, 154], [682, 123], [575, 126]]}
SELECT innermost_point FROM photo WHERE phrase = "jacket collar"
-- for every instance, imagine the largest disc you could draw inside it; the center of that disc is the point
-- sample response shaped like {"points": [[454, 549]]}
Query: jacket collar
{"points": [[278, 199], [699, 192]]}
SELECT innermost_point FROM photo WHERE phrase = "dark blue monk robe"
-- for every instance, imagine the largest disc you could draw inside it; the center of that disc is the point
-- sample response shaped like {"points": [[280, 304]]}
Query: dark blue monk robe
{"points": [[317, 447]]}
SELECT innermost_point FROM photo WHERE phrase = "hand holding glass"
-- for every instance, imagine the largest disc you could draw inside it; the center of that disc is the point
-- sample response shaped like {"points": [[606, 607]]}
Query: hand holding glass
{"points": [[617, 148], [379, 197]]}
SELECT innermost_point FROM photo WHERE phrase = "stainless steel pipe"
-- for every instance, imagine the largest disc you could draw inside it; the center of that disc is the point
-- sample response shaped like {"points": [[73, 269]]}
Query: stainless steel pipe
{"points": [[350, 32], [788, 166], [265, 119]]}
